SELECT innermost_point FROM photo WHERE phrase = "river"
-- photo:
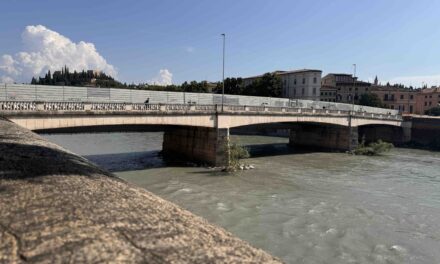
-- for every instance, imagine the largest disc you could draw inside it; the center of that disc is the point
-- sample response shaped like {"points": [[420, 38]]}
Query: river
{"points": [[300, 207]]}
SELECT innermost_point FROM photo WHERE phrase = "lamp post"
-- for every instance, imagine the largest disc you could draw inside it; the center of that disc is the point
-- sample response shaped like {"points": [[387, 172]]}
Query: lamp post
{"points": [[223, 75], [354, 85]]}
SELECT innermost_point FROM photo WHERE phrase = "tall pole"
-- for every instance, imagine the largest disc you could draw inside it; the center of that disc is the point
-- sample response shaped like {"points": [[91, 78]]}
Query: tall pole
{"points": [[223, 75], [354, 85]]}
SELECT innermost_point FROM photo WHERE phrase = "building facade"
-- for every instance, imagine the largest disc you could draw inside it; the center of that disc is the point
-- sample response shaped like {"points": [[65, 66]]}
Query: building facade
{"points": [[426, 99], [404, 100], [348, 88], [299, 84]]}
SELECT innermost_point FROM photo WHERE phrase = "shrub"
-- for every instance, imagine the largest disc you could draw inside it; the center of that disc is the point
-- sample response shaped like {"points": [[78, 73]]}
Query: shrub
{"points": [[373, 149], [236, 153]]}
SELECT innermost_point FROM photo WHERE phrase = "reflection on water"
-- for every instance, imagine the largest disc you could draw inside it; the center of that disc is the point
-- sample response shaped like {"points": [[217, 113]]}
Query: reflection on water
{"points": [[301, 207]]}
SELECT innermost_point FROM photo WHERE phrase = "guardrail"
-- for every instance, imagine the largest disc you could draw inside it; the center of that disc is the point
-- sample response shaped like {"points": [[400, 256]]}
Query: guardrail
{"points": [[17, 106]]}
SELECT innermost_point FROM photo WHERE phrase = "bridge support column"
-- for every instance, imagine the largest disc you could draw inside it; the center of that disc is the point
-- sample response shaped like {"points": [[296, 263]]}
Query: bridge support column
{"points": [[198, 144], [324, 137]]}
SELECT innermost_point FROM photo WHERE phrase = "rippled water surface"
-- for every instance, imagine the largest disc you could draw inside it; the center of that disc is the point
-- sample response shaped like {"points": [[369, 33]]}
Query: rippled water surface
{"points": [[301, 207]]}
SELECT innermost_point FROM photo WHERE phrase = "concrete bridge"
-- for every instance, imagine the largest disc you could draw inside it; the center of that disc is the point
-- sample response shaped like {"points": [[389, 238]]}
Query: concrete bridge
{"points": [[201, 132]]}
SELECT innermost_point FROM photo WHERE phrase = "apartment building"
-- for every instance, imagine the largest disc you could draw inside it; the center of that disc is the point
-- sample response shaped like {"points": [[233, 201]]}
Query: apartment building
{"points": [[426, 99], [348, 88], [404, 100], [298, 84]]}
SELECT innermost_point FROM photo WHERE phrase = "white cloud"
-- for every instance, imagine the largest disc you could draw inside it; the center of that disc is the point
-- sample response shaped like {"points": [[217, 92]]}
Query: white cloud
{"points": [[417, 81], [6, 79], [48, 50], [190, 49], [165, 77]]}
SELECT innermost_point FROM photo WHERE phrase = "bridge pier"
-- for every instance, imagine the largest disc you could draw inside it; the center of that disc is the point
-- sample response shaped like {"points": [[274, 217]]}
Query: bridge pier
{"points": [[199, 144], [329, 137]]}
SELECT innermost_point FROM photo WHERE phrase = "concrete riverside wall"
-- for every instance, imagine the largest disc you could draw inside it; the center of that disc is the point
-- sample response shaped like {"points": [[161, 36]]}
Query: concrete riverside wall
{"points": [[425, 132], [396, 135], [323, 136], [199, 144], [56, 207]]}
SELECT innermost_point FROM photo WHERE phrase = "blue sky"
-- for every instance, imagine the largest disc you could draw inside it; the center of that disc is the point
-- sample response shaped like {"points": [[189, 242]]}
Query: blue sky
{"points": [[396, 40]]}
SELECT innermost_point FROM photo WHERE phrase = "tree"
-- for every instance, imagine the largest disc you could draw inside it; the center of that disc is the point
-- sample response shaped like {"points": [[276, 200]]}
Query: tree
{"points": [[435, 111], [268, 85], [370, 99]]}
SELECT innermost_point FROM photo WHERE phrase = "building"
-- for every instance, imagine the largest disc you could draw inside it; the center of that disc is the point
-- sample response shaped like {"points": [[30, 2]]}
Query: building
{"points": [[328, 94], [348, 88], [398, 98], [298, 84], [426, 99]]}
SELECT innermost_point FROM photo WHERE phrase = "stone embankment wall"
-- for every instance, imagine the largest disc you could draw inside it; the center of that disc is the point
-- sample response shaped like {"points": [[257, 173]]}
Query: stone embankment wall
{"points": [[57, 207], [425, 132]]}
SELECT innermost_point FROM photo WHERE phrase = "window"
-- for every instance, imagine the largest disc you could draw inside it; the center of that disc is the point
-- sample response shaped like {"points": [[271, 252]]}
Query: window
{"points": [[426, 103], [403, 108], [430, 103], [294, 91], [430, 96], [392, 106], [314, 90], [349, 89], [410, 108], [302, 91], [294, 81], [355, 88], [314, 80], [366, 89], [322, 93], [411, 97], [385, 98], [402, 96], [392, 97], [304, 80]]}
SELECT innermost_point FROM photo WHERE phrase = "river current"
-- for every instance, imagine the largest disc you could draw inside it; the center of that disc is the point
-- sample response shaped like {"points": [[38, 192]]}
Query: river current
{"points": [[301, 207]]}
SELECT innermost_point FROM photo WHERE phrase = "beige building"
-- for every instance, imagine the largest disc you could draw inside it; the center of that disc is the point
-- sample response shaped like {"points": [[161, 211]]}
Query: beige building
{"points": [[298, 84], [348, 88], [401, 99], [426, 99]]}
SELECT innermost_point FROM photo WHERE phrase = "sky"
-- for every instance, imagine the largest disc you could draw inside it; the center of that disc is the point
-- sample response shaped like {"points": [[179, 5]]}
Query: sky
{"points": [[168, 41]]}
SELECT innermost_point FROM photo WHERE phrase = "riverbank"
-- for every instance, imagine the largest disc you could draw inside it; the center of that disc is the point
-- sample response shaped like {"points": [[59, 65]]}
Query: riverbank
{"points": [[58, 207]]}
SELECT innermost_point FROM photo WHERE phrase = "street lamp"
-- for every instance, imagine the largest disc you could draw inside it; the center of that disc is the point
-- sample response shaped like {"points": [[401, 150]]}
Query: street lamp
{"points": [[354, 85], [223, 75]]}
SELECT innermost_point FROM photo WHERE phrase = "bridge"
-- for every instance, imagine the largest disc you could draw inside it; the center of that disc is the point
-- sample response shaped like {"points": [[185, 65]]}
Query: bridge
{"points": [[201, 132]]}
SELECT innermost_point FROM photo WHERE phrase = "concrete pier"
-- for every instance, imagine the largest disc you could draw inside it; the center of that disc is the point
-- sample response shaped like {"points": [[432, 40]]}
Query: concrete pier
{"points": [[329, 137], [198, 144], [56, 207]]}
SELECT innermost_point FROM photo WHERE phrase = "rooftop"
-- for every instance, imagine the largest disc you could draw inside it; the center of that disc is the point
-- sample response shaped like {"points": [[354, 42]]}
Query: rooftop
{"points": [[278, 72]]}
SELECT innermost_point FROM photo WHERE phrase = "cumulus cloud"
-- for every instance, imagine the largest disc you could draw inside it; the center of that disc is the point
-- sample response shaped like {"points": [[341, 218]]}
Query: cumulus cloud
{"points": [[164, 77], [44, 50], [417, 81]]}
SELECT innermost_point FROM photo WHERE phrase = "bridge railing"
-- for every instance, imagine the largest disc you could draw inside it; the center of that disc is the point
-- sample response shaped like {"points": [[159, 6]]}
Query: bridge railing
{"points": [[28, 106]]}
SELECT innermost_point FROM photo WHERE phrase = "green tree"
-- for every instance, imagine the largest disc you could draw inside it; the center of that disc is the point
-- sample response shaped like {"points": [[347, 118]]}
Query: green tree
{"points": [[370, 99], [435, 111], [268, 85]]}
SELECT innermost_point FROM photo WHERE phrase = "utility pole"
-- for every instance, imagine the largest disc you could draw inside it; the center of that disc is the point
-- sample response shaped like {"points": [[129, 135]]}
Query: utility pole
{"points": [[223, 75]]}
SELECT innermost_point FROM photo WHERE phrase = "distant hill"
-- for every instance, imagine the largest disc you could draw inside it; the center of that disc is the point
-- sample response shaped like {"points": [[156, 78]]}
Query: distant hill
{"points": [[83, 78]]}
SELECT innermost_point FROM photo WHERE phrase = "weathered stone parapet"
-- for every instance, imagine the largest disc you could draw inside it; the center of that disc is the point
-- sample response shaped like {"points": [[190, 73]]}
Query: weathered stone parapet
{"points": [[323, 136], [198, 144], [56, 207]]}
